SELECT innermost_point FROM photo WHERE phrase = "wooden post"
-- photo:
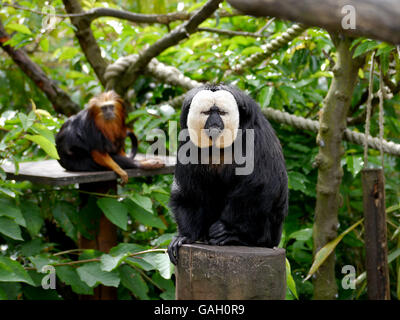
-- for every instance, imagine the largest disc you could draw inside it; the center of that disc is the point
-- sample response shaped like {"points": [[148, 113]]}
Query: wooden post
{"points": [[373, 182], [105, 237], [230, 273]]}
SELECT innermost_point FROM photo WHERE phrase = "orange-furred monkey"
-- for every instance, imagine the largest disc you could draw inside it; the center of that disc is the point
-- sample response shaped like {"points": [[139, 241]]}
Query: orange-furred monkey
{"points": [[94, 139]]}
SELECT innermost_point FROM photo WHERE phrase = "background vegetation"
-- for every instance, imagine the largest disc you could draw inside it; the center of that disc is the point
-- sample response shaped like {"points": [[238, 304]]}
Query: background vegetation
{"points": [[39, 225]]}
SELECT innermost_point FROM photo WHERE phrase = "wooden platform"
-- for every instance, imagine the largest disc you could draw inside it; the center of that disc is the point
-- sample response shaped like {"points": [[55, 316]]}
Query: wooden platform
{"points": [[50, 172]]}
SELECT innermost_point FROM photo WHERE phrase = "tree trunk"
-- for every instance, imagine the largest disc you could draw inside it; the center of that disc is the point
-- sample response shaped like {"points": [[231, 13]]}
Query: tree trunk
{"points": [[332, 125]]}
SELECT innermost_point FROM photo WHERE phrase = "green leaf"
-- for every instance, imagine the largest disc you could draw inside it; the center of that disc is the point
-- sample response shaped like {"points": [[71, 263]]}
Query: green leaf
{"points": [[75, 74], [109, 263], [44, 44], [364, 47], [126, 248], [41, 260], [68, 53], [164, 239], [8, 208], [354, 164], [12, 271], [19, 28], [27, 120], [117, 255], [326, 250], [138, 213], [45, 144], [92, 275], [302, 235], [292, 94], [384, 60], [162, 198], [161, 262], [140, 263], [12, 289], [143, 202], [393, 255], [265, 96], [393, 208], [10, 229], [299, 147], [62, 213], [115, 211], [131, 279], [43, 131], [32, 216], [290, 281], [297, 181], [3, 174], [69, 276], [251, 50], [166, 284], [32, 248]]}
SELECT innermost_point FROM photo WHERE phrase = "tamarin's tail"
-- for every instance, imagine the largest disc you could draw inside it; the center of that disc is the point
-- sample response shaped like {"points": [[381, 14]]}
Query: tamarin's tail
{"points": [[134, 142]]}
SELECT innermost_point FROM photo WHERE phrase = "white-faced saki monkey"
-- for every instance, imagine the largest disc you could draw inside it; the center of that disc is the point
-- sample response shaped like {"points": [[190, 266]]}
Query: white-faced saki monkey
{"points": [[214, 199]]}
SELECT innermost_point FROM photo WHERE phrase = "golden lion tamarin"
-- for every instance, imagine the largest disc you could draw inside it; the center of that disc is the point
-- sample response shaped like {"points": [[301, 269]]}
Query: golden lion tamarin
{"points": [[94, 139]]}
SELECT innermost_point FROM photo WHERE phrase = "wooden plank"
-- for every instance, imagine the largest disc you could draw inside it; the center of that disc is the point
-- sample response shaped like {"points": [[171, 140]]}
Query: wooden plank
{"points": [[230, 273], [50, 172], [376, 251], [377, 19]]}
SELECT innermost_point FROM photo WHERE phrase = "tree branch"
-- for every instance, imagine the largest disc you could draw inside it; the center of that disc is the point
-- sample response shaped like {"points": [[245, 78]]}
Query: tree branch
{"points": [[377, 19], [174, 37], [95, 13], [233, 33], [61, 101], [86, 39]]}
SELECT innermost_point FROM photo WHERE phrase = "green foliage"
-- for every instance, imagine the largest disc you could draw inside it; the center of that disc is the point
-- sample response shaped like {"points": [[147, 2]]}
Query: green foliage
{"points": [[39, 225]]}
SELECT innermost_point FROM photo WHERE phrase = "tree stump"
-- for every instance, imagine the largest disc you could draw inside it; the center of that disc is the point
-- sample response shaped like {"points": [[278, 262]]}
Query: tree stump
{"points": [[230, 273]]}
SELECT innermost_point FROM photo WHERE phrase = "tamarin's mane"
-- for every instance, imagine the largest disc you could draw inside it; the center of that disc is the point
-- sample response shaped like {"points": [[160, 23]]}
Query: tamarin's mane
{"points": [[112, 129]]}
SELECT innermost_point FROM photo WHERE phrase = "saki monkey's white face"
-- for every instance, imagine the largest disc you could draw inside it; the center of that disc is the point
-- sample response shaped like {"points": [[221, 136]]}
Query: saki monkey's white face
{"points": [[213, 119]]}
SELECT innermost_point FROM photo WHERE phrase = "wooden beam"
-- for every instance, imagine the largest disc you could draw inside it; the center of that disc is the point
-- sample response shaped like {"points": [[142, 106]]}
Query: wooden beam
{"points": [[377, 19], [376, 251]]}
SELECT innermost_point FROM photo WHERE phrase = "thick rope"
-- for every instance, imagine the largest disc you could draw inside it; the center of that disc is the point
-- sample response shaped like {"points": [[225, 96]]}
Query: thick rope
{"points": [[368, 115], [293, 32], [313, 125], [158, 70], [381, 120]]}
